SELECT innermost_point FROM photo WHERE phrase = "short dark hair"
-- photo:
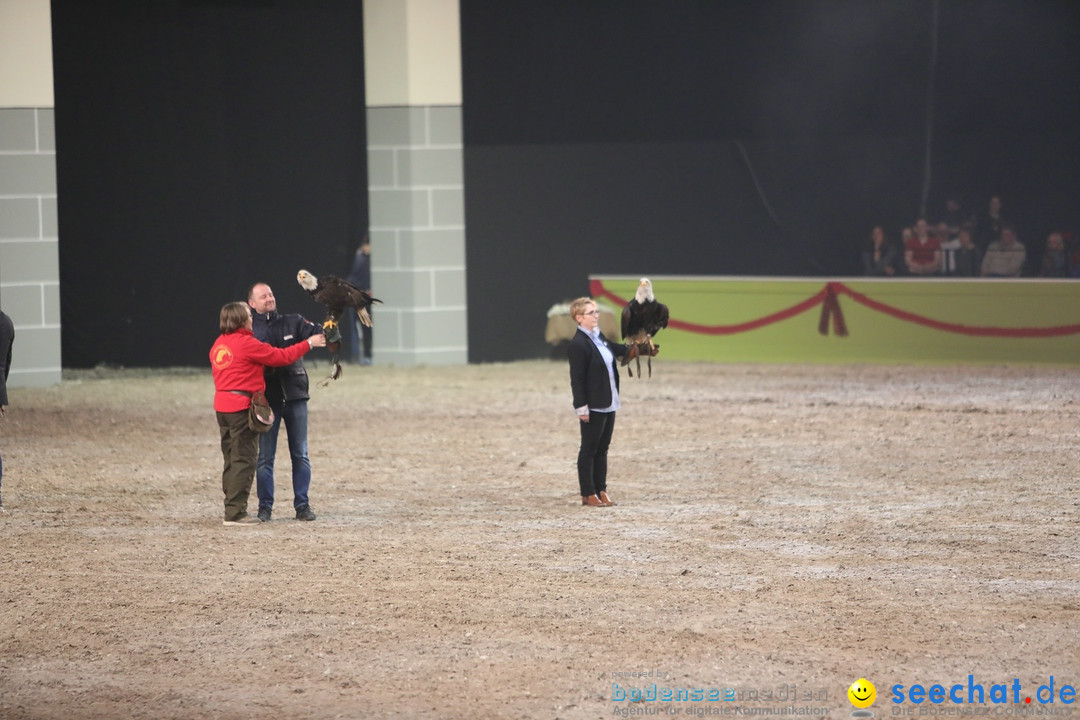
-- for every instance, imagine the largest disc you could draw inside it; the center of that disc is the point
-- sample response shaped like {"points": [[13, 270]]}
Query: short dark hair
{"points": [[251, 288]]}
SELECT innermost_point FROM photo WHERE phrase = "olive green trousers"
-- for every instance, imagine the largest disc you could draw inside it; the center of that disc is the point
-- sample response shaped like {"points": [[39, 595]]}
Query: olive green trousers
{"points": [[240, 451]]}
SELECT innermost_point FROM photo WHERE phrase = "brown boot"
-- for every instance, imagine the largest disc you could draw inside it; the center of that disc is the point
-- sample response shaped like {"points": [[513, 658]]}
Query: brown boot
{"points": [[608, 502], [591, 501]]}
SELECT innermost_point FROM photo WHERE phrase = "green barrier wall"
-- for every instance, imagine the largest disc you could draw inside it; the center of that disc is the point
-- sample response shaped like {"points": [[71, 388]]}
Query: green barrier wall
{"points": [[887, 321]]}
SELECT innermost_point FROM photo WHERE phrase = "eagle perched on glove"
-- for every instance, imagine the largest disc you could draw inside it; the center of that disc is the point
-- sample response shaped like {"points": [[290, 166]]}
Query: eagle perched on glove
{"points": [[335, 295], [642, 318]]}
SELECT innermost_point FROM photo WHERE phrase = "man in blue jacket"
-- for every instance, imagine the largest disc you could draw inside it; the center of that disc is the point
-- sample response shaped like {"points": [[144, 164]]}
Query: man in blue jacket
{"points": [[287, 393]]}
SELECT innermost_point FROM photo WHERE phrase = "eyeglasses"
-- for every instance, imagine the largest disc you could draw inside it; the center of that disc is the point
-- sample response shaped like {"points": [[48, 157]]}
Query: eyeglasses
{"points": [[591, 312]]}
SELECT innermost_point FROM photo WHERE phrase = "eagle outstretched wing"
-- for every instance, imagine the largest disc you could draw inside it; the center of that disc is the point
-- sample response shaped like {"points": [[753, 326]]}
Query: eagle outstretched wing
{"points": [[335, 295]]}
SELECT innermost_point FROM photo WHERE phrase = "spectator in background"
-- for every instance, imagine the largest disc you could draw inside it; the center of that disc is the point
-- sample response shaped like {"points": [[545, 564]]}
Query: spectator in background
{"points": [[922, 251], [954, 218], [967, 257], [1072, 253], [1054, 261], [1005, 256], [879, 255], [949, 246], [988, 226], [7, 342], [905, 237], [360, 276]]}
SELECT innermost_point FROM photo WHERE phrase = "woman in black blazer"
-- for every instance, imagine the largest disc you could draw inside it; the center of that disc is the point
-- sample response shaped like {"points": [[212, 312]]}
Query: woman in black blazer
{"points": [[594, 380]]}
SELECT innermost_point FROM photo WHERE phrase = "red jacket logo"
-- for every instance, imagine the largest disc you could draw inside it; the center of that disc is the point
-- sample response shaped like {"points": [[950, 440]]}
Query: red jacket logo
{"points": [[221, 357]]}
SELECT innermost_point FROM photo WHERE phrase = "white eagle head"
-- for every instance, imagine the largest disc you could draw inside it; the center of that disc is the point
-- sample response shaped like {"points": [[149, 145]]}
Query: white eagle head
{"points": [[644, 291], [307, 281]]}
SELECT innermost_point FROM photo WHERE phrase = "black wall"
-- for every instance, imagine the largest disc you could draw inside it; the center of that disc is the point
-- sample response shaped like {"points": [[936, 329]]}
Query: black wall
{"points": [[201, 146], [766, 138], [204, 144]]}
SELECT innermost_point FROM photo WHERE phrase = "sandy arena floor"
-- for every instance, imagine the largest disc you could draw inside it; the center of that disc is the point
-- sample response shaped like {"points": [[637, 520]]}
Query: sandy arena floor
{"points": [[782, 530]]}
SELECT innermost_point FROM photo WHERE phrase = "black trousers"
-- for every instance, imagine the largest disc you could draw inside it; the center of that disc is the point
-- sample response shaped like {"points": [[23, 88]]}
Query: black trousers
{"points": [[592, 457]]}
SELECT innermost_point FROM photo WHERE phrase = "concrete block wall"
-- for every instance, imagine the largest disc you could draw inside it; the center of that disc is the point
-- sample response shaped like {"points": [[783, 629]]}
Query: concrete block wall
{"points": [[29, 257], [416, 195]]}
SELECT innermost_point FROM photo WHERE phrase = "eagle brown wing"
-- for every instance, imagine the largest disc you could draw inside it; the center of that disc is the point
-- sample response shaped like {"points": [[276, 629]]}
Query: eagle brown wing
{"points": [[636, 320], [337, 294], [630, 322], [656, 317]]}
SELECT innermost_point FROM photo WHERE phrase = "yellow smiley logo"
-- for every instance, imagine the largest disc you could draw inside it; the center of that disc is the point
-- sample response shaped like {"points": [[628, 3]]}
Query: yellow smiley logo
{"points": [[862, 693]]}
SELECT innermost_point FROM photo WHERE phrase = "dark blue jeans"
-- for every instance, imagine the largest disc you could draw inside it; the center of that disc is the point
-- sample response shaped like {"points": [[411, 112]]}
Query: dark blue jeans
{"points": [[295, 414]]}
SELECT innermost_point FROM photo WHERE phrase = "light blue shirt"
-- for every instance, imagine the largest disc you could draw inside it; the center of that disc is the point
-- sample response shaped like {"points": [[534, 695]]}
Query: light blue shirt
{"points": [[608, 360]]}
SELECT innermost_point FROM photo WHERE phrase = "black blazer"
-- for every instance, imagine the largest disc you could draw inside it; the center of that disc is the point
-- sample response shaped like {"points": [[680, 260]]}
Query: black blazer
{"points": [[588, 377]]}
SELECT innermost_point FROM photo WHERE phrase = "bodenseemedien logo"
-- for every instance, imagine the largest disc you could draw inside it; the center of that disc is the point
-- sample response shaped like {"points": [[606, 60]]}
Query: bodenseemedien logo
{"points": [[862, 694]]}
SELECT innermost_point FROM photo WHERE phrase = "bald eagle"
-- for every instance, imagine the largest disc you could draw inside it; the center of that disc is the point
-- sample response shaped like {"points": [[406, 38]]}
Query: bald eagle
{"points": [[335, 295], [642, 318]]}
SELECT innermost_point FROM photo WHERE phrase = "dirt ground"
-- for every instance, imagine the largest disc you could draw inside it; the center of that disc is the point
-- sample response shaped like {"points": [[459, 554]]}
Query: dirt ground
{"points": [[781, 531]]}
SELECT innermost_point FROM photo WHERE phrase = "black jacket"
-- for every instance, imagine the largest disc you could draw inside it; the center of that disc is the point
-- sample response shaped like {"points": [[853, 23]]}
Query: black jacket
{"points": [[289, 382], [588, 376]]}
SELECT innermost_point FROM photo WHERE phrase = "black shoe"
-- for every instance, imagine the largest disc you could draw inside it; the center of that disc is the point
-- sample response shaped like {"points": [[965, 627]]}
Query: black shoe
{"points": [[304, 513], [264, 514]]}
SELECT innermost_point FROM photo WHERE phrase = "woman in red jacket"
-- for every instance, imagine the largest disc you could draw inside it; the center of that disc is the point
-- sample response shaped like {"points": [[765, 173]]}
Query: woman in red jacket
{"points": [[237, 360]]}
